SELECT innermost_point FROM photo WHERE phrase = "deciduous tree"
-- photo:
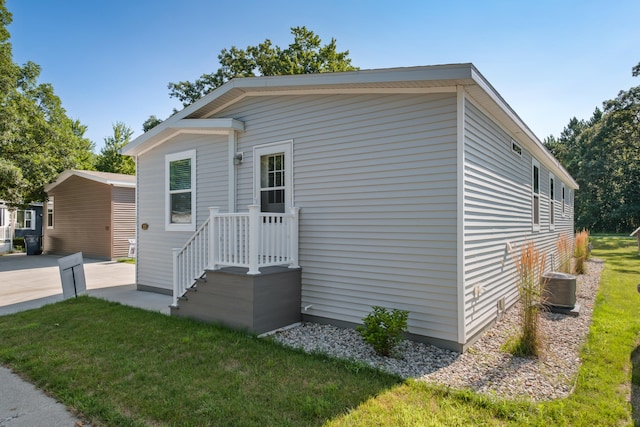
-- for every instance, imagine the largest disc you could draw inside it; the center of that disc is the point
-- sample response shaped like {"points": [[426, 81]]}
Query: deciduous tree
{"points": [[304, 55], [150, 123], [110, 159], [37, 138]]}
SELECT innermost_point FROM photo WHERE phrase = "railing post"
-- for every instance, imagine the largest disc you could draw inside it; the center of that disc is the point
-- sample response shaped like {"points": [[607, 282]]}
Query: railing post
{"points": [[254, 238], [213, 238], [293, 237], [176, 285]]}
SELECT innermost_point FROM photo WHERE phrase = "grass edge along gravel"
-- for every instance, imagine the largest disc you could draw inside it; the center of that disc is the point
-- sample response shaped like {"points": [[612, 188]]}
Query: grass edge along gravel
{"points": [[601, 397], [100, 373]]}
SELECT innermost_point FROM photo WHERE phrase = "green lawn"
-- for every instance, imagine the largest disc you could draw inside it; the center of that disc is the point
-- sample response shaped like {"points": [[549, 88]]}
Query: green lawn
{"points": [[601, 395], [122, 366]]}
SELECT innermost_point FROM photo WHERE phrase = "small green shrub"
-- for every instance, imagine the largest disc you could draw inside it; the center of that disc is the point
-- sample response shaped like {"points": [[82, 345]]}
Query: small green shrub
{"points": [[383, 329], [18, 244]]}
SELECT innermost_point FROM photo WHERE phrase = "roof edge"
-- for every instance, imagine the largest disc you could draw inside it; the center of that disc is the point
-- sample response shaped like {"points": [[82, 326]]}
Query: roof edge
{"points": [[90, 176]]}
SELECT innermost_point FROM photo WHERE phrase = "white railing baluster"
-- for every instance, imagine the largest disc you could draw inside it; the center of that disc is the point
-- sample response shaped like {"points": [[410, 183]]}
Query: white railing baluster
{"points": [[293, 237], [254, 238], [212, 237], [176, 274], [251, 240]]}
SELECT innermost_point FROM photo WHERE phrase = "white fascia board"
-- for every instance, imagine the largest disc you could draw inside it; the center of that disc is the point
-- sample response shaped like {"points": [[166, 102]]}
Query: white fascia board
{"points": [[173, 127], [121, 184], [388, 75]]}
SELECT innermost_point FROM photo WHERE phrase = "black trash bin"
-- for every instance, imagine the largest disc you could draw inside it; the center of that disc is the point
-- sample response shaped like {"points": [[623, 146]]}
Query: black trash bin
{"points": [[32, 244]]}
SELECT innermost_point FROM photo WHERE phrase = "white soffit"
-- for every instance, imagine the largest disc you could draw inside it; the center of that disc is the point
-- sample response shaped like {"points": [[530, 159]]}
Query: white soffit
{"points": [[172, 128]]}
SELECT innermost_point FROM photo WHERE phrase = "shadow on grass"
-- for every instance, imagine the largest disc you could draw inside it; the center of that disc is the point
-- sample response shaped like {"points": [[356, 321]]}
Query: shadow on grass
{"points": [[612, 242], [121, 366], [635, 386]]}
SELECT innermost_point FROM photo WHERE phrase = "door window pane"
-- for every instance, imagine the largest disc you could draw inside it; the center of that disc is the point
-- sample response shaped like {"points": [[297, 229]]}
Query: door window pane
{"points": [[272, 183]]}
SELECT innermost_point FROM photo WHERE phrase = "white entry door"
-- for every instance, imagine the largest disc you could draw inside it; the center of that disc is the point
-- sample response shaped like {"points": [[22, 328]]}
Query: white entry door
{"points": [[273, 176]]}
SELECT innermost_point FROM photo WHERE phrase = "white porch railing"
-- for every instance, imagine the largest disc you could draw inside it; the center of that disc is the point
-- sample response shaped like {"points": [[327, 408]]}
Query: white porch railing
{"points": [[190, 261], [5, 234], [250, 240]]}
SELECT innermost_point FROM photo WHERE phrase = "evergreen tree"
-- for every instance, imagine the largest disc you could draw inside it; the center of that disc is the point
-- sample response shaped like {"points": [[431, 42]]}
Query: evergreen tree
{"points": [[603, 155]]}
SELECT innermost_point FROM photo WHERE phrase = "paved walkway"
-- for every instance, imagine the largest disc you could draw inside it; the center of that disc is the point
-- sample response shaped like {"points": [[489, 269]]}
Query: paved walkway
{"points": [[28, 282]]}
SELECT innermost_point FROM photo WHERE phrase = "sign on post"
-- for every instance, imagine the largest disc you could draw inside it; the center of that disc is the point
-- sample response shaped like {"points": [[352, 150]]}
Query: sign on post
{"points": [[132, 248], [72, 275]]}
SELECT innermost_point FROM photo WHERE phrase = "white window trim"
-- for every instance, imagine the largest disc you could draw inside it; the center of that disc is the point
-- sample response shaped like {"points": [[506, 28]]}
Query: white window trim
{"points": [[53, 215], [516, 148], [285, 147], [190, 154], [552, 202], [534, 164], [33, 220], [564, 201]]}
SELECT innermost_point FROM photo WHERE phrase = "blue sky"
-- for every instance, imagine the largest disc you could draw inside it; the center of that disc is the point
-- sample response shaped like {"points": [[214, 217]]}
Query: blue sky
{"points": [[111, 60]]}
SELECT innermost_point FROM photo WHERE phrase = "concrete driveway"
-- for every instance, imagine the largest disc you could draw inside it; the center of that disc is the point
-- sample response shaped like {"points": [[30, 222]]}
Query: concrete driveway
{"points": [[28, 282]]}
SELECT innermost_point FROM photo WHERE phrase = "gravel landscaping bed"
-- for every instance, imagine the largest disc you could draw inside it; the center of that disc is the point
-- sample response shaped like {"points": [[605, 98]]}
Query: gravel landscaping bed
{"points": [[483, 367]]}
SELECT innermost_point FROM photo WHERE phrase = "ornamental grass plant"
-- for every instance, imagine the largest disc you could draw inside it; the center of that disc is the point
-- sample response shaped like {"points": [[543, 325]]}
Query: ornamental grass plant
{"points": [[581, 251], [530, 264], [564, 254]]}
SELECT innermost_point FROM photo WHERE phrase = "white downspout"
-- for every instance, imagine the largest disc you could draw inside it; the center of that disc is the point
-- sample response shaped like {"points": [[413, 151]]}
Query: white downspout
{"points": [[232, 143]]}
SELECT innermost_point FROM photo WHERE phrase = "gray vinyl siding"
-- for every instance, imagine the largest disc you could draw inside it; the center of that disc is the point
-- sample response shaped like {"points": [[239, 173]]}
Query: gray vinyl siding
{"points": [[498, 209], [375, 178], [154, 244]]}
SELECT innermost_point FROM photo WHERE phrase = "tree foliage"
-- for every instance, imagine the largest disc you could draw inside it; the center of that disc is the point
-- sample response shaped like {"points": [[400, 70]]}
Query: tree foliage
{"points": [[305, 55], [110, 159], [603, 155], [150, 123], [37, 139]]}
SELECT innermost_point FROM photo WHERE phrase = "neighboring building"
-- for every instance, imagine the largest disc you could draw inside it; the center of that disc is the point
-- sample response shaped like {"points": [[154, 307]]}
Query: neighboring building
{"points": [[19, 223], [6, 233], [415, 187], [28, 222], [90, 212]]}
